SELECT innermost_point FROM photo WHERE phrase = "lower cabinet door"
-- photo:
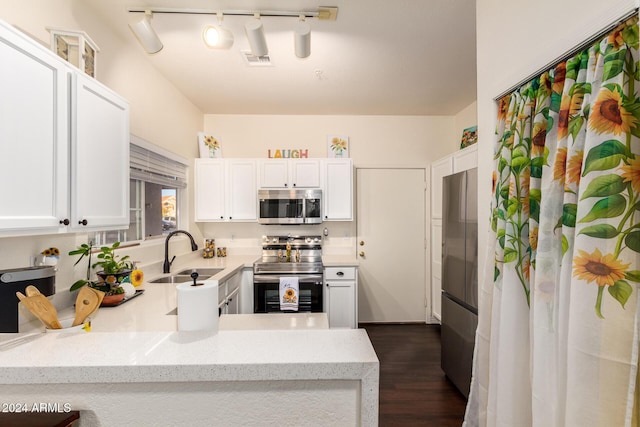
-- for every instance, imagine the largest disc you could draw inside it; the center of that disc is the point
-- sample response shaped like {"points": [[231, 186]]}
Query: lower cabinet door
{"points": [[341, 303]]}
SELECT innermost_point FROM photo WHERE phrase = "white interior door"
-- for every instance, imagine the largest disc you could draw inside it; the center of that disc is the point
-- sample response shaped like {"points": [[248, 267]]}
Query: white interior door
{"points": [[391, 220]]}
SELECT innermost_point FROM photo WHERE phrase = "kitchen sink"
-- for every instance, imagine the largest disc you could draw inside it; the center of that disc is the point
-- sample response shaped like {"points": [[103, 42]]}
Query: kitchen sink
{"points": [[206, 271], [179, 278]]}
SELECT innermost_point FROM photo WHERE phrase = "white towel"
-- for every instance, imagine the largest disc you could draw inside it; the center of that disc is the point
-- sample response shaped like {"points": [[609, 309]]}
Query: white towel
{"points": [[289, 290]]}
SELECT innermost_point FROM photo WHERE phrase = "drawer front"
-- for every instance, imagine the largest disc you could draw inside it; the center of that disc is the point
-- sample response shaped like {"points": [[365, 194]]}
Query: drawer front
{"points": [[340, 273]]}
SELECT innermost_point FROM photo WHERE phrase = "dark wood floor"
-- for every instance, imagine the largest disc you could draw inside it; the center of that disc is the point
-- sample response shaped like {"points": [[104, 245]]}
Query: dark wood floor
{"points": [[413, 389]]}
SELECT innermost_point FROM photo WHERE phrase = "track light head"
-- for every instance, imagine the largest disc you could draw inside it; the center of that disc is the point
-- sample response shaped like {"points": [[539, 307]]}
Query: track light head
{"points": [[216, 36], [146, 35], [255, 36], [302, 38]]}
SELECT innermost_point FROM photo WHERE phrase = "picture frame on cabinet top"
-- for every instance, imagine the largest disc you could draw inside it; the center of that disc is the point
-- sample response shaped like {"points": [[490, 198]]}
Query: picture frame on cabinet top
{"points": [[337, 146], [209, 146]]}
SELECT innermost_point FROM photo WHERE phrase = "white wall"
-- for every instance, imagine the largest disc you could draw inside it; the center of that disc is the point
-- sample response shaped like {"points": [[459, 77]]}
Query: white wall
{"points": [[515, 39], [467, 117]]}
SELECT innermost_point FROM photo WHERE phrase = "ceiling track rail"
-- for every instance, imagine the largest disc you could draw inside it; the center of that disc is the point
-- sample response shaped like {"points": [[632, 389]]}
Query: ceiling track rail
{"points": [[328, 13], [570, 53]]}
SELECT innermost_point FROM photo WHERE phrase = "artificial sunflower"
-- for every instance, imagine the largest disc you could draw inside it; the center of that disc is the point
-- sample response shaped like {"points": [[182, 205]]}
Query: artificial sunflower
{"points": [[137, 277], [569, 107], [560, 73], [594, 267], [631, 173], [609, 116], [503, 106]]}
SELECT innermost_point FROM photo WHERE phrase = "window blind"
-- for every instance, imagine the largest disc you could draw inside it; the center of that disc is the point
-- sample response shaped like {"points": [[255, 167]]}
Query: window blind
{"points": [[149, 166]]}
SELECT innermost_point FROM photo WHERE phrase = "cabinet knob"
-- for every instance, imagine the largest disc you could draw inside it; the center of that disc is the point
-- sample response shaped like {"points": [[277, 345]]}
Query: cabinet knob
{"points": [[83, 222], [221, 217], [361, 242], [340, 273], [65, 221], [294, 185], [286, 185], [361, 254]]}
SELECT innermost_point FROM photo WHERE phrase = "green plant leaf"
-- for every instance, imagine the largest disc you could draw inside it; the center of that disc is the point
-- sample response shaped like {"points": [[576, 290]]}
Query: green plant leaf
{"points": [[496, 273], [535, 194], [78, 284], [605, 185], [565, 244], [600, 231], [633, 275], [621, 291], [605, 156], [569, 214], [519, 162], [633, 241], [510, 255], [609, 207]]}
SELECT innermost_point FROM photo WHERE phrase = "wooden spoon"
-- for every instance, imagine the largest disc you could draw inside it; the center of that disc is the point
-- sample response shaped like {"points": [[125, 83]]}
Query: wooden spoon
{"points": [[87, 302], [40, 306]]}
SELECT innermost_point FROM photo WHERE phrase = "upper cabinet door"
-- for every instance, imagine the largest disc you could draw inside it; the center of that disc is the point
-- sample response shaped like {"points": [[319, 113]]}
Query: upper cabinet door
{"points": [[33, 135], [274, 173], [465, 159], [242, 194], [338, 190], [305, 173], [209, 191], [99, 156]]}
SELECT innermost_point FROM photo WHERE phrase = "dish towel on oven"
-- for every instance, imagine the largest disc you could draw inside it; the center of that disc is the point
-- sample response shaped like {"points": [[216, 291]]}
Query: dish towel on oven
{"points": [[289, 290]]}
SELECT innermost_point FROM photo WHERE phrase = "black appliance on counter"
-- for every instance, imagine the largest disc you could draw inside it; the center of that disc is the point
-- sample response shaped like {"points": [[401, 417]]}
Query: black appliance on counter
{"points": [[16, 280], [304, 261], [459, 277]]}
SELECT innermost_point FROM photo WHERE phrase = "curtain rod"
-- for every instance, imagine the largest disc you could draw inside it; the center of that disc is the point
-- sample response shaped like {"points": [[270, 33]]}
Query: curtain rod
{"points": [[570, 53]]}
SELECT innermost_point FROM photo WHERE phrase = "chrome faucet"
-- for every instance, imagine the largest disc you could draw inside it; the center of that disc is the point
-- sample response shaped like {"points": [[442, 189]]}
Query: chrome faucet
{"points": [[167, 264]]}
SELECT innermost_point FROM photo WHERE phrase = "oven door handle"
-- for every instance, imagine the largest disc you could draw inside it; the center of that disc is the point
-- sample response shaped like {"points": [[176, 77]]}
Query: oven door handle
{"points": [[275, 278]]}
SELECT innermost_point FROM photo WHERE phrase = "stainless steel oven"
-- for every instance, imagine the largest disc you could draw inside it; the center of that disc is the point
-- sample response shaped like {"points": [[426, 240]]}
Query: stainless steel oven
{"points": [[289, 256], [266, 293]]}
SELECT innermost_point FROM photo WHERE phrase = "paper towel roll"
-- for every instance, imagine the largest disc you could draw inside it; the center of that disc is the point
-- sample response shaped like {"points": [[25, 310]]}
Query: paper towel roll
{"points": [[198, 306]]}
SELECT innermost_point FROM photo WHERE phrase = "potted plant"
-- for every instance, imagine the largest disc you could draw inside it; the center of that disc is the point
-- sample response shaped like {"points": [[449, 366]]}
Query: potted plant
{"points": [[114, 270]]}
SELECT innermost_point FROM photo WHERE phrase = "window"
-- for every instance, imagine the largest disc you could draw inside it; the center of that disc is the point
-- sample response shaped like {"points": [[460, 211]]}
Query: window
{"points": [[158, 179]]}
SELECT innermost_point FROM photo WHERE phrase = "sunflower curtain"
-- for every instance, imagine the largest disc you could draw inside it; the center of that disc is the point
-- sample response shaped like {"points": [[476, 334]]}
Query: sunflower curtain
{"points": [[557, 341]]}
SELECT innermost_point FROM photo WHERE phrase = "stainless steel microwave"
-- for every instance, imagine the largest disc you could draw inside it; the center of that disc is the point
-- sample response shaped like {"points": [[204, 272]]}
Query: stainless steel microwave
{"points": [[290, 206]]}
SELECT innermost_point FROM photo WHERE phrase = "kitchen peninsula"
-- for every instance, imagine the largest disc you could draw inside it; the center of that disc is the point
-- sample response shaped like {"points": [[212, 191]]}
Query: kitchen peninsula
{"points": [[158, 377]]}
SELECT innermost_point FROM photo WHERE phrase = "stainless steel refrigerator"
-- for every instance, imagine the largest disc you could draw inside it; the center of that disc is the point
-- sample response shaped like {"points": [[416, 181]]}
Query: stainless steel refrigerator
{"points": [[459, 315]]}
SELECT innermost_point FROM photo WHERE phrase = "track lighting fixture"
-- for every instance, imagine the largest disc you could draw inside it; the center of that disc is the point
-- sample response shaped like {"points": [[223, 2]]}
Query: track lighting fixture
{"points": [[302, 38], [217, 37], [146, 35], [255, 36]]}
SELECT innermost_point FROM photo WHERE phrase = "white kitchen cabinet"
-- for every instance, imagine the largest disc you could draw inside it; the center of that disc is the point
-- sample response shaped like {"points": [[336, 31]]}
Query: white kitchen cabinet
{"points": [[246, 291], [225, 190], [289, 173], [99, 156], [337, 189], [460, 161], [229, 300], [341, 304], [56, 125]]}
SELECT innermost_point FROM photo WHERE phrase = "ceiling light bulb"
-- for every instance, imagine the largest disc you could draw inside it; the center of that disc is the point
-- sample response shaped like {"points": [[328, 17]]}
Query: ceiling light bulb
{"points": [[255, 36], [216, 37], [146, 35], [302, 39]]}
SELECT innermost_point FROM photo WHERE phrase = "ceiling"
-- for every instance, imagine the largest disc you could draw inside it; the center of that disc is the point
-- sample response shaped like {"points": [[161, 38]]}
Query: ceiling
{"points": [[399, 57]]}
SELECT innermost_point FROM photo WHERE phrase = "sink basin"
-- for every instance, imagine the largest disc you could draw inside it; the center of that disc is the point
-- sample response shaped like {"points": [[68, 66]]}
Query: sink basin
{"points": [[175, 279], [206, 271]]}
